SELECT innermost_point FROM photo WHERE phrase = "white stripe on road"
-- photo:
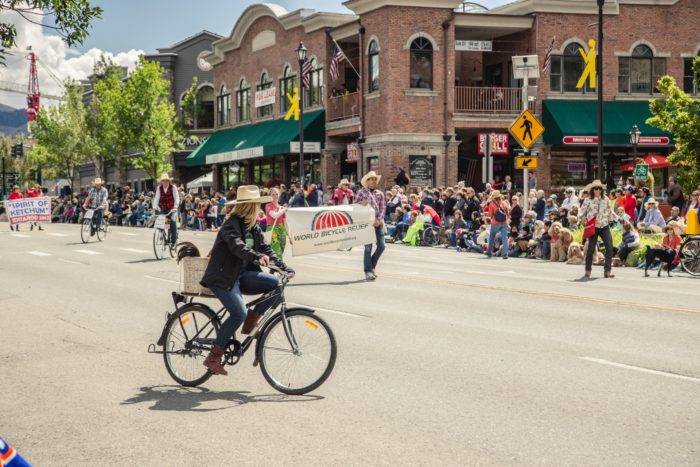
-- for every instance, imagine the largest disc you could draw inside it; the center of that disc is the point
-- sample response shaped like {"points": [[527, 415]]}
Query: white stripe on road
{"points": [[326, 310], [20, 235], [640, 369], [161, 279], [55, 234], [38, 253], [129, 234], [134, 250], [69, 261], [88, 252]]}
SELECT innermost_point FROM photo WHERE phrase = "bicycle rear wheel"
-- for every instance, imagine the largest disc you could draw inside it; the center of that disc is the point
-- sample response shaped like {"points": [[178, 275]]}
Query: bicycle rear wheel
{"points": [[690, 256], [102, 231], [159, 243], [190, 334], [430, 237], [85, 230], [301, 370]]}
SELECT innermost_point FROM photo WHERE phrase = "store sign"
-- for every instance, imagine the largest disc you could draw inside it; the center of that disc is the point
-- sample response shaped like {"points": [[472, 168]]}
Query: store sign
{"points": [[474, 46], [193, 141], [232, 156], [421, 171], [593, 140], [580, 140], [576, 167], [654, 140], [310, 147], [352, 152], [499, 143], [641, 171], [265, 97]]}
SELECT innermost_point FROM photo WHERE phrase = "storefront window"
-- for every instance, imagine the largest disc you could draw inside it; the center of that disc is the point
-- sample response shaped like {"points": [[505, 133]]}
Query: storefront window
{"points": [[639, 73], [287, 84], [265, 83], [422, 63], [689, 77], [566, 70], [569, 170], [243, 102], [373, 64]]}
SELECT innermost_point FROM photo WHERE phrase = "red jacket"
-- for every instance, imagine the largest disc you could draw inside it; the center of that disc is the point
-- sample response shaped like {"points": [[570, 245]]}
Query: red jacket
{"points": [[35, 193], [629, 202], [15, 195], [341, 193]]}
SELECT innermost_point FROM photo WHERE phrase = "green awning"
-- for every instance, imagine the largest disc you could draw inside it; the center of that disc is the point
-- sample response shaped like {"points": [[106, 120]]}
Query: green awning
{"points": [[574, 120], [268, 138]]}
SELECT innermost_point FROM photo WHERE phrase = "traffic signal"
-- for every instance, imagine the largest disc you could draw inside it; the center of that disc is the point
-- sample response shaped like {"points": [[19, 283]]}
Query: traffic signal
{"points": [[17, 150]]}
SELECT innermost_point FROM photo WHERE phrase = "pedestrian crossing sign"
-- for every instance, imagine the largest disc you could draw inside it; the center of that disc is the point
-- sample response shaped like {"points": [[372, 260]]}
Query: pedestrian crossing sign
{"points": [[526, 129]]}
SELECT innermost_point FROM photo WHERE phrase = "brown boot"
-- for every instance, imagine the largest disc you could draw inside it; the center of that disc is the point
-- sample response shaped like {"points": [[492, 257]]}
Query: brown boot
{"points": [[213, 361], [250, 321], [609, 275]]}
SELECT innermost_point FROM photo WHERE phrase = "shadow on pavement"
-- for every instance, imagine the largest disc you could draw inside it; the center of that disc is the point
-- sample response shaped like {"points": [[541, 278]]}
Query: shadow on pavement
{"points": [[148, 260], [183, 399], [584, 279], [305, 284]]}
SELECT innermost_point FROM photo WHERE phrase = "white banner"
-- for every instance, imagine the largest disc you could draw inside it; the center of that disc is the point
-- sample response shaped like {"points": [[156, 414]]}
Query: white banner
{"points": [[329, 228], [24, 210], [265, 97]]}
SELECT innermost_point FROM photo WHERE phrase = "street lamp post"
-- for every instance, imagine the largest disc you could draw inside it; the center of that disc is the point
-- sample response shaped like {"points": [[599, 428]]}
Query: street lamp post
{"points": [[599, 87], [301, 55], [634, 140]]}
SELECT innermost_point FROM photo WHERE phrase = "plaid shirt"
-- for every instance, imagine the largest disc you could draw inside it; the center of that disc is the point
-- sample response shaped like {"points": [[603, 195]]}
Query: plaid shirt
{"points": [[98, 198], [375, 199]]}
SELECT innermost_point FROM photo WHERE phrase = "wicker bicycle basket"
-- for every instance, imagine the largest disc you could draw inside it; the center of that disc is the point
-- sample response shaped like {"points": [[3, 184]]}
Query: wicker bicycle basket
{"points": [[191, 272]]}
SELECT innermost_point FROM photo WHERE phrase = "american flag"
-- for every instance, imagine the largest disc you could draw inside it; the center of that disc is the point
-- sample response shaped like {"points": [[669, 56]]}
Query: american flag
{"points": [[338, 57], [548, 58], [306, 74]]}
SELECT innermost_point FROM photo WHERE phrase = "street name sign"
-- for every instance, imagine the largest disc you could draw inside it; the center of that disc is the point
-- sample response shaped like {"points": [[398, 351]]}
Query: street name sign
{"points": [[526, 129]]}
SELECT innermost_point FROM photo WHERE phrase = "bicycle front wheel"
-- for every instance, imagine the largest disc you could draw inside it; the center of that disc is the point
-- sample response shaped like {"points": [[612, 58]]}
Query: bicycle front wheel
{"points": [[159, 243], [298, 354], [690, 256], [85, 230], [102, 231], [190, 335]]}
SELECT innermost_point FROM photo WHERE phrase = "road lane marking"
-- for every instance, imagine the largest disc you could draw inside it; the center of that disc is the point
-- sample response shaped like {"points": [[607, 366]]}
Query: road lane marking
{"points": [[327, 310], [63, 260], [134, 250], [20, 235], [88, 252], [56, 234], [641, 369], [38, 253], [161, 279], [128, 234], [535, 293]]}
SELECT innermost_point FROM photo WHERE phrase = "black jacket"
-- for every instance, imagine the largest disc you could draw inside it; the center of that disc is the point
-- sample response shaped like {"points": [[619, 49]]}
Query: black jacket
{"points": [[230, 255]]}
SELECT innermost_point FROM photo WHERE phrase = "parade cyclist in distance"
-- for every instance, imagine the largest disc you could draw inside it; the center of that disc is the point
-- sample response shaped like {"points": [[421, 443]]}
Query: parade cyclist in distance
{"points": [[96, 199], [234, 269], [369, 195], [166, 200]]}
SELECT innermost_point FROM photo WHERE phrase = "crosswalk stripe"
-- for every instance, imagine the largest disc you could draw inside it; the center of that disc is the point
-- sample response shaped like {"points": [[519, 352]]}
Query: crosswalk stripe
{"points": [[88, 252], [38, 253]]}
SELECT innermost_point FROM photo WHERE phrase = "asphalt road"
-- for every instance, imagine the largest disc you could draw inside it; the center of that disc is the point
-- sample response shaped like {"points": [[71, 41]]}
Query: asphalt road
{"points": [[447, 359]]}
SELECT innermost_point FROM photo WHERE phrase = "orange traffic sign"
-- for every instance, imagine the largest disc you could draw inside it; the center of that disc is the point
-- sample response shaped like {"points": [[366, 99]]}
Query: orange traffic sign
{"points": [[526, 129], [525, 162]]}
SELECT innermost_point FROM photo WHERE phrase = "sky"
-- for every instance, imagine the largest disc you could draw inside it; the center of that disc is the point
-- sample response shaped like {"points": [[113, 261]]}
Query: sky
{"points": [[127, 29]]}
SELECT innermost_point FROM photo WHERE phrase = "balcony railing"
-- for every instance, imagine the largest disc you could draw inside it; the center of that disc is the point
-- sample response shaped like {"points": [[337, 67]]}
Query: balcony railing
{"points": [[483, 100], [342, 107]]}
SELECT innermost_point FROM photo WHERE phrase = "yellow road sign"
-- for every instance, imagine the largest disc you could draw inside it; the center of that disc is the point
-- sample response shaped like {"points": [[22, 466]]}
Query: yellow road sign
{"points": [[525, 162], [526, 129]]}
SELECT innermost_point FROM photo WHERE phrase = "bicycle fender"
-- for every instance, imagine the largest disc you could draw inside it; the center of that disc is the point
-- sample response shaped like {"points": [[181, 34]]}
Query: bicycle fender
{"points": [[161, 340], [270, 323]]}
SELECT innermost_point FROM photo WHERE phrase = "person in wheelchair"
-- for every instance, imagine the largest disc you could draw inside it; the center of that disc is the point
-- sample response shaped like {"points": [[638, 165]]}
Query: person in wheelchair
{"points": [[234, 269]]}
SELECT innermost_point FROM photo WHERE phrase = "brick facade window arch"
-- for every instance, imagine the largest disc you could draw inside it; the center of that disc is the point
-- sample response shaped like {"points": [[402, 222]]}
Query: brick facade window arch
{"points": [[243, 101], [421, 63], [638, 73], [373, 66], [566, 69], [223, 105], [265, 83], [204, 117], [690, 78], [287, 83], [314, 94]]}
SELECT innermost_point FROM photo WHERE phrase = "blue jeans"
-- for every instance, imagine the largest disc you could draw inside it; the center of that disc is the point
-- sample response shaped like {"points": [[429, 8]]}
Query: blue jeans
{"points": [[249, 283], [370, 258], [503, 230]]}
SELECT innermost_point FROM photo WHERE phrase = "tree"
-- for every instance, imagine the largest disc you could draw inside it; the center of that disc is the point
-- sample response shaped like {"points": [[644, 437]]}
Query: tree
{"points": [[679, 114], [189, 105], [72, 19], [150, 119], [61, 133]]}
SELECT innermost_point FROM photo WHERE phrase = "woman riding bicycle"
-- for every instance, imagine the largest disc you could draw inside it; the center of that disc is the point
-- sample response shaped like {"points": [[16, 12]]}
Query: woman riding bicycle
{"points": [[234, 269]]}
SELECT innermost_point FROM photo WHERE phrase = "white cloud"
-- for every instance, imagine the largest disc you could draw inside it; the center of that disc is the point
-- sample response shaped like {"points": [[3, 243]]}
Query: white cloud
{"points": [[53, 54]]}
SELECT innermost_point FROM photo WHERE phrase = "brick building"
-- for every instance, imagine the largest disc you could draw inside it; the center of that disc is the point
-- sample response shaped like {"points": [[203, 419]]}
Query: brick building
{"points": [[425, 78]]}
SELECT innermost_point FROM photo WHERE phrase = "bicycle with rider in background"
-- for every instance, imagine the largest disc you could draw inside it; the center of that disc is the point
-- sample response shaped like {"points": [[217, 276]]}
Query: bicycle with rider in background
{"points": [[166, 200], [97, 201]]}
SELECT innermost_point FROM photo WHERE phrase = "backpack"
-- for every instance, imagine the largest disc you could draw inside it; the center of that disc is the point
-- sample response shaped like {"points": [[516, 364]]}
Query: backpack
{"points": [[500, 215]]}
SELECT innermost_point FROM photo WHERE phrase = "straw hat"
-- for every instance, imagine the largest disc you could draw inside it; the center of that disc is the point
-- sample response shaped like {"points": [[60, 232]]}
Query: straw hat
{"points": [[344, 181], [652, 201], [247, 194], [677, 229], [368, 175], [164, 177], [495, 194], [595, 184], [97, 181]]}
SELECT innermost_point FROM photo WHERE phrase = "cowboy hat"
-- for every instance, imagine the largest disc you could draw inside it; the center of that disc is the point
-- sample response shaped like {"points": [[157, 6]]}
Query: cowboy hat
{"points": [[247, 194], [595, 184], [652, 201], [677, 229], [97, 181], [164, 177], [368, 175], [496, 194], [344, 181]]}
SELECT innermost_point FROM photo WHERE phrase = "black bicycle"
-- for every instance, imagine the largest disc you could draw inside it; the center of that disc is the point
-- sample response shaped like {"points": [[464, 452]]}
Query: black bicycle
{"points": [[295, 348], [690, 255], [161, 235], [88, 228]]}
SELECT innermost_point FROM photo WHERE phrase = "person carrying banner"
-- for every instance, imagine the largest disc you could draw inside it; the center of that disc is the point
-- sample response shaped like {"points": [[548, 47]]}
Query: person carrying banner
{"points": [[14, 194], [35, 192], [166, 200], [96, 200], [234, 269], [369, 195]]}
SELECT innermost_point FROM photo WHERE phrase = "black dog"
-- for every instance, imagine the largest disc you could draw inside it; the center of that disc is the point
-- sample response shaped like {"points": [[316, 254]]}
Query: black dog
{"points": [[665, 255]]}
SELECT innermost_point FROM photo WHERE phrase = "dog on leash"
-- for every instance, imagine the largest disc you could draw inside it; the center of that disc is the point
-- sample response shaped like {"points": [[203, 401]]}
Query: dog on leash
{"points": [[665, 255]]}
